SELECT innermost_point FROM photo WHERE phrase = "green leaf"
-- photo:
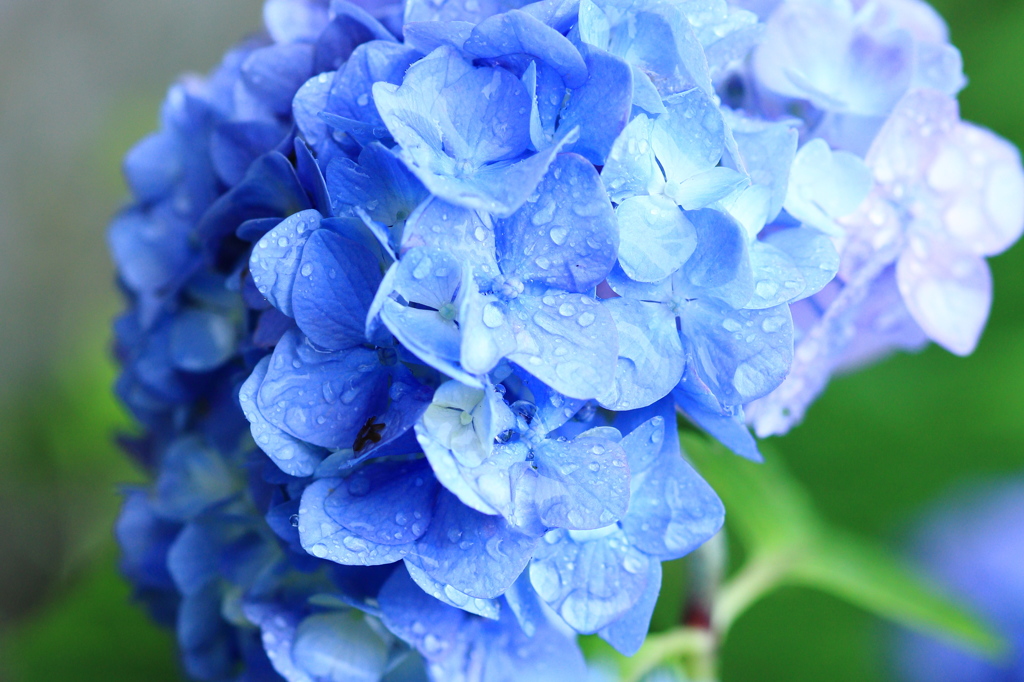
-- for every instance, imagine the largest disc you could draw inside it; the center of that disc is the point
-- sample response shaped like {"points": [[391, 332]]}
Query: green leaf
{"points": [[787, 542]]}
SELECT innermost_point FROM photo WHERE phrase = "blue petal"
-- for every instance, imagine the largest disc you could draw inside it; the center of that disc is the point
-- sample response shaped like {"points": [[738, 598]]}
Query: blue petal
{"points": [[488, 608], [153, 166], [632, 168], [812, 252], [672, 510], [325, 538], [720, 265], [311, 177], [379, 183], [476, 554], [592, 581], [460, 231], [293, 456], [274, 74], [192, 478], [627, 634], [454, 10], [339, 647], [777, 279], [650, 354], [387, 503], [725, 424], [740, 354], [275, 260], [510, 655], [567, 237], [431, 333], [600, 107], [645, 95], [460, 128], [277, 633], [309, 101], [690, 138], [656, 239], [151, 249], [337, 279], [580, 484], [568, 341], [290, 21], [206, 642], [192, 559], [270, 189], [236, 144], [351, 93], [427, 36], [457, 434], [321, 398], [519, 33], [706, 188], [430, 626], [657, 38], [767, 152], [202, 340], [487, 334]]}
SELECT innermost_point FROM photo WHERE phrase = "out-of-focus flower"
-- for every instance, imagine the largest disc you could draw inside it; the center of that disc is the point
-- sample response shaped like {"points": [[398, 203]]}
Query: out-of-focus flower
{"points": [[971, 545]]}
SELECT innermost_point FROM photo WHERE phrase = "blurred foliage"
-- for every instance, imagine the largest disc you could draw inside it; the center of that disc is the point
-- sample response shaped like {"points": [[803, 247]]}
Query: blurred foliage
{"points": [[877, 447]]}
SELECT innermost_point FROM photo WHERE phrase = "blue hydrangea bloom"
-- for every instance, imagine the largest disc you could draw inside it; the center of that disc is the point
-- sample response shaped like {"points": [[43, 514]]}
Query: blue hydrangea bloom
{"points": [[417, 290], [969, 545]]}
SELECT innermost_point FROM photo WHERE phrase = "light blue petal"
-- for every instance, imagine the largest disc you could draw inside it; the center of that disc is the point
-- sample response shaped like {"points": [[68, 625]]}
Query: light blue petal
{"points": [[766, 151], [477, 554], [519, 33], [309, 101], [725, 424], [427, 36], [325, 538], [720, 265], [339, 647], [590, 582], [448, 114], [777, 279], [277, 633], [488, 608], [651, 356], [351, 93], [655, 37], [566, 238], [704, 189], [645, 94], [690, 138], [812, 252], [581, 484], [289, 21], [293, 456], [623, 285], [672, 510], [336, 282], [632, 168], [655, 238], [274, 262], [627, 634], [321, 398], [462, 232], [600, 107], [386, 503], [456, 10], [568, 341], [740, 354], [487, 333]]}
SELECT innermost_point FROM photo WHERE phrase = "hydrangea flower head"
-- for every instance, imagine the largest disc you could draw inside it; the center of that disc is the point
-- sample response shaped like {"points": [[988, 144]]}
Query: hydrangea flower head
{"points": [[417, 290]]}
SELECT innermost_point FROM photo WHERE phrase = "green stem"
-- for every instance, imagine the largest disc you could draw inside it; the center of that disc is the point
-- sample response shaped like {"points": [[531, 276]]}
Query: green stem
{"points": [[757, 578], [698, 647], [694, 644]]}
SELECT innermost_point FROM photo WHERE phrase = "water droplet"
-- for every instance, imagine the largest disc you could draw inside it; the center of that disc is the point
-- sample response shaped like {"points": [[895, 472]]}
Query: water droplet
{"points": [[586, 319], [559, 235], [493, 316]]}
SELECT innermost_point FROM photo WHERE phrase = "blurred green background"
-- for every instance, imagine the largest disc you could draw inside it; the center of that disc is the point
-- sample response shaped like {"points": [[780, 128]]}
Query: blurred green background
{"points": [[80, 80]]}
